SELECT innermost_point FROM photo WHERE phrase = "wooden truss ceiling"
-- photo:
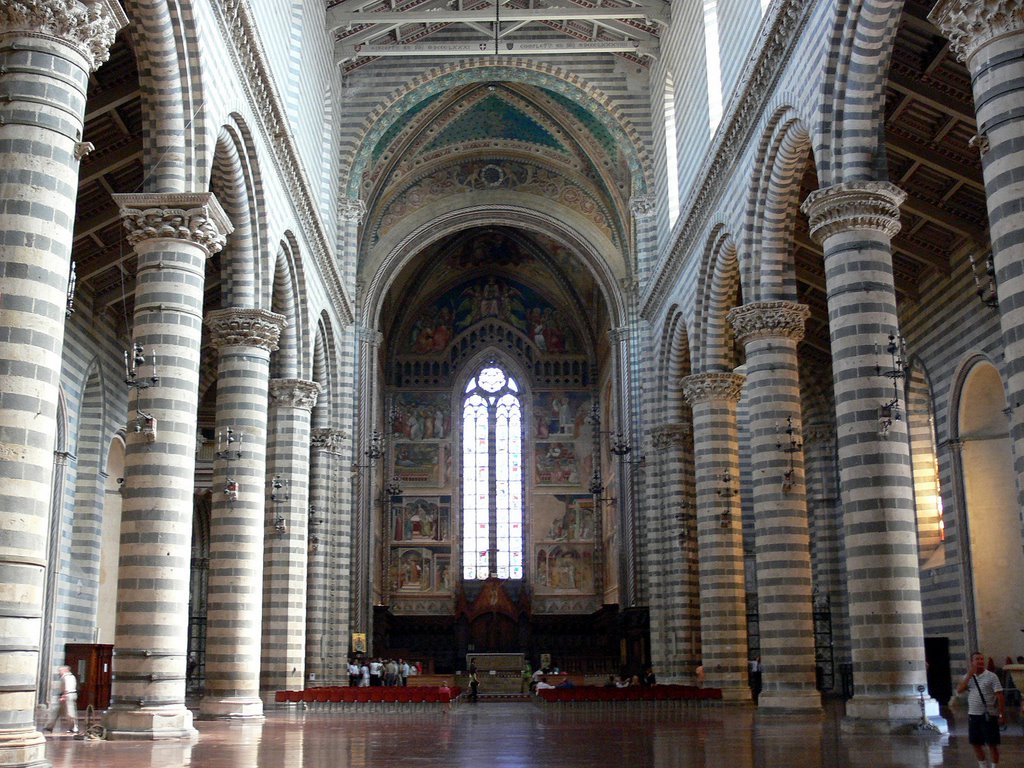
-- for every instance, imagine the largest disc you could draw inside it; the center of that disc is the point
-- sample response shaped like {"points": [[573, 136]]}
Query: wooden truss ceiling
{"points": [[365, 30]]}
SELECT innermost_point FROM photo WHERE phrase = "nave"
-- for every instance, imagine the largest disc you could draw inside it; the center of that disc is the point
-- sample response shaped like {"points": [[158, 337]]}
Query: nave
{"points": [[517, 735]]}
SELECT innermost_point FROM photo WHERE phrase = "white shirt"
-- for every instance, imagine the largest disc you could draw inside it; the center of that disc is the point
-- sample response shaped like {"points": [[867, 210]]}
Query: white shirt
{"points": [[990, 686]]}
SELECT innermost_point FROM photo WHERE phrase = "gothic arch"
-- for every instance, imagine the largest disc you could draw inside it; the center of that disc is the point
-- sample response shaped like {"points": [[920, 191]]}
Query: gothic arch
{"points": [[323, 373], [850, 145], [769, 273], [540, 74], [719, 291], [288, 298], [235, 180], [581, 240]]}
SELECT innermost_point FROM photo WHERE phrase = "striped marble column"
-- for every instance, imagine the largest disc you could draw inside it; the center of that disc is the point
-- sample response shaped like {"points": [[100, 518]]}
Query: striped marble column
{"points": [[244, 339], [673, 594], [989, 39], [855, 223], [629, 567], [770, 332], [173, 236], [723, 618], [326, 444], [47, 50], [287, 536], [363, 532]]}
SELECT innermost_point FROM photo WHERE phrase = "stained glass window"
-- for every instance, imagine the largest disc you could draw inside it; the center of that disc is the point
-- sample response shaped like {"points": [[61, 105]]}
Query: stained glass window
{"points": [[492, 489]]}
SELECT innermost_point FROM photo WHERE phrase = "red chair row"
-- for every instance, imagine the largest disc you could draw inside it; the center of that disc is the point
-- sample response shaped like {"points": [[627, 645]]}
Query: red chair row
{"points": [[320, 698]]}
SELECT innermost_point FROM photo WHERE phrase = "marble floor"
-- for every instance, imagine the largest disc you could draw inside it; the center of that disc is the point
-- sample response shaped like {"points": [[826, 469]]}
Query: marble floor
{"points": [[528, 735]]}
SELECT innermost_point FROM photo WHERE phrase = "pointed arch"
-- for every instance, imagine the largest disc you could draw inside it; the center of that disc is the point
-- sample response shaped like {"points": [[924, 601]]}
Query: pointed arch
{"points": [[718, 291], [288, 298]]}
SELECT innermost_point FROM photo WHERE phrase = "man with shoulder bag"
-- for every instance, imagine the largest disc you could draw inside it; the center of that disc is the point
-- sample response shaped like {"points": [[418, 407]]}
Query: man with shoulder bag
{"points": [[986, 709]]}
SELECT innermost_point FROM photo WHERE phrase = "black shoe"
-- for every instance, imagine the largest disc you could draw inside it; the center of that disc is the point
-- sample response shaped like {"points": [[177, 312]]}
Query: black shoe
{"points": [[73, 730]]}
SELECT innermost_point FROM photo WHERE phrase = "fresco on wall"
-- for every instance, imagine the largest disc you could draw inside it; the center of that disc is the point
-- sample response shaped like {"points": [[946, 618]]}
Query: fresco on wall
{"points": [[565, 517], [422, 464], [563, 447], [561, 415], [556, 464], [412, 569], [490, 297], [564, 567], [422, 518], [421, 416]]}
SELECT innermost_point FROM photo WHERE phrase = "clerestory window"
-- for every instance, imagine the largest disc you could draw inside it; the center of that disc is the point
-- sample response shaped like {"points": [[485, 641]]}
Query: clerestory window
{"points": [[492, 477]]}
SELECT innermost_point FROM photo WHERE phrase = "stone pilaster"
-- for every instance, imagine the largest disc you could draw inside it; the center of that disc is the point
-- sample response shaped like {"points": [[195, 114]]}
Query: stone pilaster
{"points": [[351, 214], [47, 50], [363, 529], [629, 577], [323, 458], [770, 332], [723, 619], [645, 234], [173, 235], [855, 223], [671, 556], [287, 535], [244, 339], [989, 38]]}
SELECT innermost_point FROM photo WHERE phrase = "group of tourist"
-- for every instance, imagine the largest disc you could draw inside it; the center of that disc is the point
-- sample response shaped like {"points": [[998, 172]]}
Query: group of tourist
{"points": [[363, 673]]}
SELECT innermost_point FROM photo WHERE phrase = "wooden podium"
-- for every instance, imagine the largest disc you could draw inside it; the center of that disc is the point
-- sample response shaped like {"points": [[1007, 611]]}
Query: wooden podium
{"points": [[91, 665]]}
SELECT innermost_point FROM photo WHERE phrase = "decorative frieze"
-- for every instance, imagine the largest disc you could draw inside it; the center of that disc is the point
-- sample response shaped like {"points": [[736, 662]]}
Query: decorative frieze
{"points": [[769, 319], [195, 216], [88, 27], [859, 205], [243, 327], [328, 439], [971, 25], [642, 206], [294, 393], [351, 210], [713, 386], [369, 336]]}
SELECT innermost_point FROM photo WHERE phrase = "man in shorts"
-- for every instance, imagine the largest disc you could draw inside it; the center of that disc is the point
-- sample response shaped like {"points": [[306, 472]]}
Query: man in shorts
{"points": [[986, 709]]}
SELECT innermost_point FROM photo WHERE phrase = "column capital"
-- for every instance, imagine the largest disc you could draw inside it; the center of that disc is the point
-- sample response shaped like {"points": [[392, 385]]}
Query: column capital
{"points": [[642, 206], [351, 210], [620, 334], [769, 319], [970, 26], [715, 385], [294, 393], [88, 27], [245, 327], [670, 435], [854, 205], [328, 439], [193, 216], [370, 336]]}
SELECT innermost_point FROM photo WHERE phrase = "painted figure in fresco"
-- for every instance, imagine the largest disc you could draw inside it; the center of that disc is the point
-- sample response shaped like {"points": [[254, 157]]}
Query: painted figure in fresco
{"points": [[535, 321]]}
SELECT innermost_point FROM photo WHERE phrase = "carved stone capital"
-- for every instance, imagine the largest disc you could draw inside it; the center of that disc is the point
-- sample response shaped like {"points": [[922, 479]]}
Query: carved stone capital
{"points": [[852, 206], [769, 319], [239, 327], [351, 210], [642, 206], [709, 387], [328, 439], [294, 393], [369, 336], [196, 217], [619, 335], [671, 436], [970, 26], [88, 27]]}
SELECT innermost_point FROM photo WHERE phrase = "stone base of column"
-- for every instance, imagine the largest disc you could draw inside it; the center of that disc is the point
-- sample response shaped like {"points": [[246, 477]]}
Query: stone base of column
{"points": [[150, 724], [24, 749], [789, 702], [866, 714], [232, 708], [736, 695]]}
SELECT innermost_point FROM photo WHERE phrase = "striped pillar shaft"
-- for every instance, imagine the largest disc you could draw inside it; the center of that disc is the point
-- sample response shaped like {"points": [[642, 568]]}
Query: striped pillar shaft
{"points": [[629, 584], [673, 591], [855, 222], [723, 618], [989, 39], [326, 444], [173, 236], [47, 50], [287, 543], [645, 238], [244, 339], [363, 533], [770, 332]]}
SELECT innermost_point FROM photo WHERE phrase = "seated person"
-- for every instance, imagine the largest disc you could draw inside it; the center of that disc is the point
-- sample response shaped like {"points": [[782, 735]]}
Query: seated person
{"points": [[542, 684], [612, 683], [567, 683], [622, 682]]}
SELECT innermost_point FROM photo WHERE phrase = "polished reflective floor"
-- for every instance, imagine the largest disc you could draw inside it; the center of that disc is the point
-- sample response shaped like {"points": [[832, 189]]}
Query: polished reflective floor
{"points": [[528, 735]]}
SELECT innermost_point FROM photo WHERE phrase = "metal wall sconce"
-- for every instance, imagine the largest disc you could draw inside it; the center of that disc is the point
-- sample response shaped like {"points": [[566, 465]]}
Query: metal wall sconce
{"points": [[890, 412], [393, 488], [376, 447], [985, 279], [229, 444], [314, 522], [726, 492], [69, 309], [132, 366], [231, 489], [619, 445], [791, 446]]}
